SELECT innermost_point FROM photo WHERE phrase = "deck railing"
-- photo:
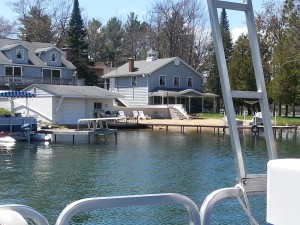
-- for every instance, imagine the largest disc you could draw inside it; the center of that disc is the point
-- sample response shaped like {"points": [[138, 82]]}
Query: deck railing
{"points": [[25, 81]]}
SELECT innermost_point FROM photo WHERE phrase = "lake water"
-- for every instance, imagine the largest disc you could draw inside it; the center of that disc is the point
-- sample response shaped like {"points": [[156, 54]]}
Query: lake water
{"points": [[49, 177]]}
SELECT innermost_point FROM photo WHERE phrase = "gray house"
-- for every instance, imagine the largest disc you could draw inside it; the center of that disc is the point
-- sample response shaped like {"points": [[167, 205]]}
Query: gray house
{"points": [[154, 81], [23, 63]]}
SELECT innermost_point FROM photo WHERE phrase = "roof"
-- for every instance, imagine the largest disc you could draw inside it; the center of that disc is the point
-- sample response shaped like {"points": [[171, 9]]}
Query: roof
{"points": [[7, 44], [70, 91], [180, 92], [143, 67]]}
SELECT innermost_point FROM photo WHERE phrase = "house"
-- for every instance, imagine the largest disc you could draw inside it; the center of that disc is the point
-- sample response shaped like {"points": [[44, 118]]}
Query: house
{"points": [[23, 63], [156, 81], [99, 69], [65, 104]]}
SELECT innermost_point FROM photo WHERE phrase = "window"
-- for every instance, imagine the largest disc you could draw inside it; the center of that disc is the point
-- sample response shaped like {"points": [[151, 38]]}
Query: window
{"points": [[162, 80], [176, 82], [190, 82], [53, 56], [133, 81], [14, 71], [97, 105], [20, 53], [51, 76]]}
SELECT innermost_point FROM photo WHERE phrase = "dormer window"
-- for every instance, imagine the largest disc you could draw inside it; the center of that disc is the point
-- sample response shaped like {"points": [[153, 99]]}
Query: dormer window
{"points": [[53, 56], [20, 53]]}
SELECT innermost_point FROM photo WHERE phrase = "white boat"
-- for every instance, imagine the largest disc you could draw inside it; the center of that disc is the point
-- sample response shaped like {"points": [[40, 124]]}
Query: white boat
{"points": [[7, 139]]}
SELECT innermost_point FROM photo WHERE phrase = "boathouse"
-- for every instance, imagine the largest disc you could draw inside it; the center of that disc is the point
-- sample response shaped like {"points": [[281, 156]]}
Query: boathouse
{"points": [[65, 104]]}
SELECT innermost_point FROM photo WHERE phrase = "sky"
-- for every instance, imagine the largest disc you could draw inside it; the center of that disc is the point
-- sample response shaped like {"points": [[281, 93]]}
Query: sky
{"points": [[103, 10]]}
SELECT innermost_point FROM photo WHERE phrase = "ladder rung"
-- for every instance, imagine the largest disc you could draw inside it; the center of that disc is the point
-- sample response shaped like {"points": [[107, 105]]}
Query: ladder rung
{"points": [[246, 94], [232, 5]]}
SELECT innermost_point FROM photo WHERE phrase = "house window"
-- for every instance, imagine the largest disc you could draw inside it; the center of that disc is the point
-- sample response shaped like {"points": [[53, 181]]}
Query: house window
{"points": [[97, 105], [51, 76], [133, 81], [20, 53], [176, 82], [190, 82], [14, 71], [162, 80], [53, 56]]}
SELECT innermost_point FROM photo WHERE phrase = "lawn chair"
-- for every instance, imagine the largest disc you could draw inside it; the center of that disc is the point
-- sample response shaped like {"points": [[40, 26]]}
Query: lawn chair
{"points": [[135, 115], [123, 116], [142, 116]]}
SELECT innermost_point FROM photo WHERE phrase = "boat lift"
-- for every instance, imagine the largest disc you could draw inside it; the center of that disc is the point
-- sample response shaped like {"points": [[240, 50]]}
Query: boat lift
{"points": [[247, 184]]}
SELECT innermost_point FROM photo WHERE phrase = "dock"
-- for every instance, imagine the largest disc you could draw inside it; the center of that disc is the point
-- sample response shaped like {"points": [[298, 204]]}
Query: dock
{"points": [[222, 129], [91, 134]]}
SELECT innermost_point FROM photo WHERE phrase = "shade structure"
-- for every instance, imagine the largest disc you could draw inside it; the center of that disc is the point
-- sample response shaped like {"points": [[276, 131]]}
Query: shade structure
{"points": [[17, 94]]}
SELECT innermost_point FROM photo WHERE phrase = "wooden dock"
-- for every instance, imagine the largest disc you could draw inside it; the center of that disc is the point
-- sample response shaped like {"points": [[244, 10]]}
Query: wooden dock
{"points": [[222, 129]]}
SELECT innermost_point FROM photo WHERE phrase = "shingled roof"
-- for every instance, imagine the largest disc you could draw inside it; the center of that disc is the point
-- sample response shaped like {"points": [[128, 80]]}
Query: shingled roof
{"points": [[143, 67], [76, 91], [6, 44]]}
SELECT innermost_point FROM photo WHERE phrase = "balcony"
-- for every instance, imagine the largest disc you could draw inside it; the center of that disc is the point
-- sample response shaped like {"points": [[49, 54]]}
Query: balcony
{"points": [[23, 82]]}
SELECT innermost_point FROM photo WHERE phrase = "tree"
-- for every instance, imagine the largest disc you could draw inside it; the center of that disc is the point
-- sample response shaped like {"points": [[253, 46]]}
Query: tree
{"points": [[213, 80], [226, 34], [7, 28], [79, 47], [114, 36], [36, 26], [135, 32], [175, 26], [95, 39], [240, 69], [39, 16]]}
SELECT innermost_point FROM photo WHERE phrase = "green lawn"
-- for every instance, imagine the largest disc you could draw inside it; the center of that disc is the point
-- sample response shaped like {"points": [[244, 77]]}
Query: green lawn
{"points": [[280, 120]]}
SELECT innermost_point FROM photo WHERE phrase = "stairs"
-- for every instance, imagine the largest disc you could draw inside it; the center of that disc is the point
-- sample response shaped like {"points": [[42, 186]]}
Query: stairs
{"points": [[176, 114]]}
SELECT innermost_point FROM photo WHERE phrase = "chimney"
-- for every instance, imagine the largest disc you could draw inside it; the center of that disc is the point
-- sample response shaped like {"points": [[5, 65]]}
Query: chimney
{"points": [[131, 64], [66, 52]]}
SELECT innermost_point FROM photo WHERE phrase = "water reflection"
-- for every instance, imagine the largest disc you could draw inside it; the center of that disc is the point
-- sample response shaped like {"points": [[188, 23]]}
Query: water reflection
{"points": [[48, 176]]}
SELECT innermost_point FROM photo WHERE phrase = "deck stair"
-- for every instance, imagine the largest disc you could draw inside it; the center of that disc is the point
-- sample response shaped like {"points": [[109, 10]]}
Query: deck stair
{"points": [[247, 184]]}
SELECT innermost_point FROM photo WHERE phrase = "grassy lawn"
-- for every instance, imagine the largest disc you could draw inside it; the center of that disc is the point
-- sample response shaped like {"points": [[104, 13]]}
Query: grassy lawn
{"points": [[280, 120]]}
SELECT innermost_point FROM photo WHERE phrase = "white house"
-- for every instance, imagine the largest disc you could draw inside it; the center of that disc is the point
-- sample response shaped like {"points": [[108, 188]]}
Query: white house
{"points": [[64, 104]]}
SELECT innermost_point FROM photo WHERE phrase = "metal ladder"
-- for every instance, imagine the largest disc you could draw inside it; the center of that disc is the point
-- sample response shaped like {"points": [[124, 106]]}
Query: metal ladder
{"points": [[249, 184]]}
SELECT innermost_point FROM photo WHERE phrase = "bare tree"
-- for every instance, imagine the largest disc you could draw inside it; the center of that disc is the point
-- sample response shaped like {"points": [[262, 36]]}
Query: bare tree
{"points": [[57, 11], [7, 28], [178, 27]]}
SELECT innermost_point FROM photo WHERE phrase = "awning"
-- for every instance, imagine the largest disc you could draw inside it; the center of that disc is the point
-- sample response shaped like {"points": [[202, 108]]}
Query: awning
{"points": [[17, 94]]}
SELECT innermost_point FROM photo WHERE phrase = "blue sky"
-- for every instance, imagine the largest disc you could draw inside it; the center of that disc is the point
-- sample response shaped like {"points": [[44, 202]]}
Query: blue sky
{"points": [[104, 10]]}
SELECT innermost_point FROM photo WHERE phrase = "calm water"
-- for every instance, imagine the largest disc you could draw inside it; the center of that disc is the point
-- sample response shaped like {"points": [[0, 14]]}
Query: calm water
{"points": [[48, 178]]}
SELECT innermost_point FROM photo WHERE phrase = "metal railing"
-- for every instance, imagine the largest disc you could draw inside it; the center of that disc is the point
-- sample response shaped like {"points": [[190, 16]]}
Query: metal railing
{"points": [[25, 81]]}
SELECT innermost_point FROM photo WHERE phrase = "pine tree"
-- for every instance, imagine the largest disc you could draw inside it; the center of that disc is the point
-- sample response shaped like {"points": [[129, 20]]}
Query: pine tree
{"points": [[76, 40]]}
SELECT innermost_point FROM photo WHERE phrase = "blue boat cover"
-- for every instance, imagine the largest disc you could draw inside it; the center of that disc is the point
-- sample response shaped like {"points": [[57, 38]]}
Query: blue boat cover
{"points": [[17, 94]]}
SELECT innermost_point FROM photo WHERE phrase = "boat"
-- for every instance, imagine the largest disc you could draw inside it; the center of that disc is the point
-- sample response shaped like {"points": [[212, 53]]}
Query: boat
{"points": [[286, 193], [7, 139]]}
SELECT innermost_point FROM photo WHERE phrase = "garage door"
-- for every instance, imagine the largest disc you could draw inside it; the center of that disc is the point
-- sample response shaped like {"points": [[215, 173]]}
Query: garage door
{"points": [[73, 110]]}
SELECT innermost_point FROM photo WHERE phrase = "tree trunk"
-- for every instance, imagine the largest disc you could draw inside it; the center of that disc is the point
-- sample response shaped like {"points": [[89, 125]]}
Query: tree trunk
{"points": [[274, 108], [286, 110], [294, 110], [279, 109]]}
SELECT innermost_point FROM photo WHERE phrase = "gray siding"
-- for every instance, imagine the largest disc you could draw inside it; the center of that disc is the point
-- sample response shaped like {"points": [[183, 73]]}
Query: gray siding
{"points": [[170, 71]]}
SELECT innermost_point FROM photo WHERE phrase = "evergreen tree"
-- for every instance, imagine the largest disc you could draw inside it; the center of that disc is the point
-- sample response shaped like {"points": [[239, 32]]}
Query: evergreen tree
{"points": [[226, 34], [213, 80], [76, 39]]}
